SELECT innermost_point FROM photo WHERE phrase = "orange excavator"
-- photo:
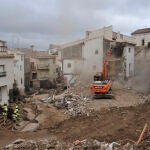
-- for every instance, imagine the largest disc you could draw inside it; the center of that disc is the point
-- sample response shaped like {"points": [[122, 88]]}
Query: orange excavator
{"points": [[102, 86]]}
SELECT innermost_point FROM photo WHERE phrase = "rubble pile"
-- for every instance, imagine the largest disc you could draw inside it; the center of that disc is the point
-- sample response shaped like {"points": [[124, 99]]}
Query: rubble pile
{"points": [[145, 144], [77, 105], [43, 144], [74, 104], [54, 144]]}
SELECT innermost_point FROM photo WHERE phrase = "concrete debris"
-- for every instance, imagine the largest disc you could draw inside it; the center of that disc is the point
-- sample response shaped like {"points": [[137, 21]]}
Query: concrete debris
{"points": [[74, 104], [30, 114], [31, 127], [49, 99], [38, 145], [77, 145]]}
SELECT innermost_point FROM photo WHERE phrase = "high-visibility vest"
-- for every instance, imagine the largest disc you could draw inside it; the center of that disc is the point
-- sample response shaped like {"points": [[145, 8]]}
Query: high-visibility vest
{"points": [[16, 113], [5, 108]]}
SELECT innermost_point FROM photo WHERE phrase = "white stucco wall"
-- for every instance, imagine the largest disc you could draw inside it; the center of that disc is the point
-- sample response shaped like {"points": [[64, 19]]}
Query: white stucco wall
{"points": [[106, 32], [139, 37], [19, 70], [93, 62], [67, 69], [129, 58], [7, 81], [129, 39]]}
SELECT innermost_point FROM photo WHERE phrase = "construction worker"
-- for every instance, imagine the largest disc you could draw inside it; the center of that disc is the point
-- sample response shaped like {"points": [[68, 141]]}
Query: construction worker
{"points": [[4, 113], [15, 115]]}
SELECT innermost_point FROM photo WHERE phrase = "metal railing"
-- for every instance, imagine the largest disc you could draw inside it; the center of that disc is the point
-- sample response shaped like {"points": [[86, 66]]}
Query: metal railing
{"points": [[43, 67]]}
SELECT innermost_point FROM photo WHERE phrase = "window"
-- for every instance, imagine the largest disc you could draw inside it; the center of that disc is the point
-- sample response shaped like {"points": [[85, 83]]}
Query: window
{"points": [[129, 50], [143, 42], [21, 58], [21, 80], [96, 51], [2, 68], [20, 67], [69, 65], [2, 71], [129, 69]]}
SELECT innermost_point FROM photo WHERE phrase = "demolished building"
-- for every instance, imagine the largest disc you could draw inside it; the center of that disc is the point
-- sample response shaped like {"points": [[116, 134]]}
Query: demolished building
{"points": [[85, 57]]}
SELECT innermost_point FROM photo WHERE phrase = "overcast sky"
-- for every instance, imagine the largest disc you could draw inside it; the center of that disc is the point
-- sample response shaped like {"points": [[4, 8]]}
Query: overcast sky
{"points": [[41, 22]]}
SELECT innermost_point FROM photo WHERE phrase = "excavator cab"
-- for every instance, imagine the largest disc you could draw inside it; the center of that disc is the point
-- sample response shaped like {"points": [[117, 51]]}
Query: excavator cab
{"points": [[98, 76]]}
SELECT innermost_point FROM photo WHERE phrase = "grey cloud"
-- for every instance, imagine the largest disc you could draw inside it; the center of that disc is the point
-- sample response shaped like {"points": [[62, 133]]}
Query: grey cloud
{"points": [[42, 22]]}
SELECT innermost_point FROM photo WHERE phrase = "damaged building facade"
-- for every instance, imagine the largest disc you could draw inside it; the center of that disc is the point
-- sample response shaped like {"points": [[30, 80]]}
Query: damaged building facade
{"points": [[85, 57]]}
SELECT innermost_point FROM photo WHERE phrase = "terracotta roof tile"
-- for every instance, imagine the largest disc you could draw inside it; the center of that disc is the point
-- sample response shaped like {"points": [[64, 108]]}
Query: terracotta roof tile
{"points": [[44, 54], [139, 31], [6, 55]]}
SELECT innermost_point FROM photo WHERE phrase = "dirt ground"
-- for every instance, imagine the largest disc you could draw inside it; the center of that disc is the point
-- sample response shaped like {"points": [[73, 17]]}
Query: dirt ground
{"points": [[112, 120], [108, 124], [122, 98]]}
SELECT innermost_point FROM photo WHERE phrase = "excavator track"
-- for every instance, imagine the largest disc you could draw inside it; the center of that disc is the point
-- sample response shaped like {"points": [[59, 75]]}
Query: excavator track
{"points": [[100, 96]]}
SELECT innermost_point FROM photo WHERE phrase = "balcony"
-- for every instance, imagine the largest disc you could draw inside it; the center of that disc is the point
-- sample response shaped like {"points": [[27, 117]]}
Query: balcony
{"points": [[42, 67], [2, 74]]}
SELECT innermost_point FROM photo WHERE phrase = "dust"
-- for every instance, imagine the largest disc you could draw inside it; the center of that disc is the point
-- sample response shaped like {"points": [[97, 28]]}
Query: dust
{"points": [[141, 82]]}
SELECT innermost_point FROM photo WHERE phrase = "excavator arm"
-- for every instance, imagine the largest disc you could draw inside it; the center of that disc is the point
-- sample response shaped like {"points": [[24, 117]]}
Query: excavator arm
{"points": [[105, 66]]}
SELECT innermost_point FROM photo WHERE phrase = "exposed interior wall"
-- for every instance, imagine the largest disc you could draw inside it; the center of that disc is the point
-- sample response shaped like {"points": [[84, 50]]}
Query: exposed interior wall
{"points": [[72, 52], [122, 59]]}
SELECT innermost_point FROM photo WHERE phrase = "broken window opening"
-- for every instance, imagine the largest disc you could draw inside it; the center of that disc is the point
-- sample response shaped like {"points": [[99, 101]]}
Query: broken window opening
{"points": [[143, 42], [148, 45], [129, 50]]}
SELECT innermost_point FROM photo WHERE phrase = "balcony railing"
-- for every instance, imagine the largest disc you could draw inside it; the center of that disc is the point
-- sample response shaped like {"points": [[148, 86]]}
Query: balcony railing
{"points": [[43, 67], [2, 74]]}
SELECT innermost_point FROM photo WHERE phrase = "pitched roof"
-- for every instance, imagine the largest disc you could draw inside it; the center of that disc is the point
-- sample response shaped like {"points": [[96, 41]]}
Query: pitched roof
{"points": [[139, 31], [69, 44], [6, 55], [44, 54]]}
